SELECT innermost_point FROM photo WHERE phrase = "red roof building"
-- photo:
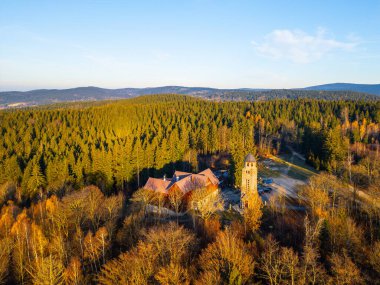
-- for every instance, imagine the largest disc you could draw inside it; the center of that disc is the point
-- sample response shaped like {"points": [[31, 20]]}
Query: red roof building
{"points": [[183, 181]]}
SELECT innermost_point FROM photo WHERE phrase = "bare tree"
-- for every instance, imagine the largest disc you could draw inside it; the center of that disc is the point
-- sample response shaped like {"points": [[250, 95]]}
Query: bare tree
{"points": [[95, 247], [144, 197], [73, 273], [270, 265], [175, 198], [47, 271], [158, 255], [311, 271], [206, 202], [5, 255], [344, 270], [280, 265], [227, 259]]}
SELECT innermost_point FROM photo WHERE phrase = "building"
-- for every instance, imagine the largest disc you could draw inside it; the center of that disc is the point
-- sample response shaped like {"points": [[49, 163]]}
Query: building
{"points": [[248, 180], [183, 181]]}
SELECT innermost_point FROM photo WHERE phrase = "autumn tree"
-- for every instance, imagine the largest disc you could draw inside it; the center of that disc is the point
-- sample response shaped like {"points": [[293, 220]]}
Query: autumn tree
{"points": [[176, 198], [6, 245], [95, 247], [344, 270], [253, 212], [73, 273], [47, 270], [280, 265], [163, 250], [172, 243], [312, 272], [322, 194], [143, 197], [226, 259], [134, 267], [374, 257], [173, 274], [205, 202], [21, 257]]}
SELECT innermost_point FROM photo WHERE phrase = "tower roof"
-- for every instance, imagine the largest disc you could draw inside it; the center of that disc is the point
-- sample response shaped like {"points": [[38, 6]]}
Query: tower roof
{"points": [[250, 158]]}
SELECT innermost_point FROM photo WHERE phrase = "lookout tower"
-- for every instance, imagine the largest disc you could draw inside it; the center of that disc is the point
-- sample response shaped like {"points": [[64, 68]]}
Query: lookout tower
{"points": [[248, 180]]}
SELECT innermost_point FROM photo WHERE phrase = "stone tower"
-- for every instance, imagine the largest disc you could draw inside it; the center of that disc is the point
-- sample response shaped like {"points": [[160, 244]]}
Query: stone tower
{"points": [[248, 180]]}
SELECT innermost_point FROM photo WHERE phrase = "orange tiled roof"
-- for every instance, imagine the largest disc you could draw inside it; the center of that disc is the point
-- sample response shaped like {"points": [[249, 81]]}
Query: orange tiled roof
{"points": [[156, 184], [210, 175], [185, 181], [181, 174]]}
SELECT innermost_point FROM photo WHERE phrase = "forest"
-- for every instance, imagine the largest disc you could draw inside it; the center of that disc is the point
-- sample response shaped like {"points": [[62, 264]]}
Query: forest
{"points": [[253, 95], [9, 99], [73, 211]]}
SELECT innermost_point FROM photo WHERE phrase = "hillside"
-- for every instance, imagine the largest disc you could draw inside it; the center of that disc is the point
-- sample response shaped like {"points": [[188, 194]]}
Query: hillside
{"points": [[264, 95], [365, 88], [10, 99]]}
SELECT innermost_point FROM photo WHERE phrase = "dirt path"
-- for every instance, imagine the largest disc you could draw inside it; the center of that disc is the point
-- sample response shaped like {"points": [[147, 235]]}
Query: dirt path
{"points": [[360, 194], [284, 184], [294, 153], [287, 185]]}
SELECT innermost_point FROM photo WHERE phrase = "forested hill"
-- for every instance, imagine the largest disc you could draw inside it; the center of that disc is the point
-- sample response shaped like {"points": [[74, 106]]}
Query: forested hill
{"points": [[264, 95], [122, 143], [45, 96], [364, 88], [71, 211]]}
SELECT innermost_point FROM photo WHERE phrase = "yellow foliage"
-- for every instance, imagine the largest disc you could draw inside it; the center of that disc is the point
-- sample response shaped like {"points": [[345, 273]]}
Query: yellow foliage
{"points": [[51, 204], [172, 274], [228, 256], [253, 213], [6, 219], [21, 225], [73, 274]]}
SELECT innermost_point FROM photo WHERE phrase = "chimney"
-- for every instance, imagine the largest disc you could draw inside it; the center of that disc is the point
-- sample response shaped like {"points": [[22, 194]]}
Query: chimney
{"points": [[176, 178], [164, 177]]}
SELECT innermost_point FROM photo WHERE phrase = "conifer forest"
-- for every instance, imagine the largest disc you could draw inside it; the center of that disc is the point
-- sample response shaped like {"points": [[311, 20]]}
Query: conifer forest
{"points": [[74, 209]]}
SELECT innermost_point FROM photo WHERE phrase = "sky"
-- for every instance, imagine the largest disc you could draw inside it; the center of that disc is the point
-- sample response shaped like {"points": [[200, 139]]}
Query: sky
{"points": [[207, 43]]}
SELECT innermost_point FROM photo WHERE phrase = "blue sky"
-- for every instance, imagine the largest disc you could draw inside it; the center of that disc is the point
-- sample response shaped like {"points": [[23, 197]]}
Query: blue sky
{"points": [[225, 44]]}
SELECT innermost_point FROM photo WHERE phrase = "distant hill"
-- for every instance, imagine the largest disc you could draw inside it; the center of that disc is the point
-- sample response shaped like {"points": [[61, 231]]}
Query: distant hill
{"points": [[364, 88], [12, 99], [292, 94]]}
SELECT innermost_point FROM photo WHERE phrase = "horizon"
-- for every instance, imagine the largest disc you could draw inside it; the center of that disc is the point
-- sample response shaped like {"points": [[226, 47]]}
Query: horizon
{"points": [[221, 44], [183, 86]]}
